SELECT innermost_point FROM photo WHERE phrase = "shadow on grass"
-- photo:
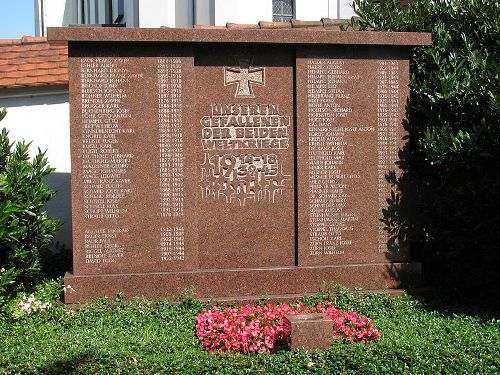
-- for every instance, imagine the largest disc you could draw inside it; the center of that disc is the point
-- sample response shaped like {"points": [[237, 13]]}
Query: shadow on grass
{"points": [[447, 301], [75, 364]]}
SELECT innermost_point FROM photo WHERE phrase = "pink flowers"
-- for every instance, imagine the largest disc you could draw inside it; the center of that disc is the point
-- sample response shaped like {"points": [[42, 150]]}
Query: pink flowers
{"points": [[259, 329], [29, 305]]}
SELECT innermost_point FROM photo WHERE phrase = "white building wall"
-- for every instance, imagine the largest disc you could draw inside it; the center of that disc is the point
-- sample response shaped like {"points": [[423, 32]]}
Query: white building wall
{"points": [[242, 11], [44, 121], [345, 11], [333, 8], [156, 13], [311, 10], [171, 13], [314, 10], [54, 13]]}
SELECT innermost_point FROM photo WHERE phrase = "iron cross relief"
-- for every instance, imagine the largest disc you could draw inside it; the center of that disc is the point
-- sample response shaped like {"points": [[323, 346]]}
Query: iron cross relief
{"points": [[243, 76]]}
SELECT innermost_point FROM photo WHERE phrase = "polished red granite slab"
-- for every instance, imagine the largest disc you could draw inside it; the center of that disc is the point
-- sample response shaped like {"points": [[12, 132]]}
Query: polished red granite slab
{"points": [[237, 163]]}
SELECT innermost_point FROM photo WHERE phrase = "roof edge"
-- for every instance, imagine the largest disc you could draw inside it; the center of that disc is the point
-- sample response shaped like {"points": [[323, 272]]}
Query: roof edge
{"points": [[25, 39]]}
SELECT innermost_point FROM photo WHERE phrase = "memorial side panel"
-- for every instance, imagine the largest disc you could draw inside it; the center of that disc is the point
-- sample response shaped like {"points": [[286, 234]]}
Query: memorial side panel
{"points": [[119, 181], [245, 146], [350, 131]]}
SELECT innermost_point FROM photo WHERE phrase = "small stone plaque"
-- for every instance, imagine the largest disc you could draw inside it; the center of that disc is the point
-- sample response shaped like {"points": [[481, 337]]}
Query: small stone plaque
{"points": [[310, 332]]}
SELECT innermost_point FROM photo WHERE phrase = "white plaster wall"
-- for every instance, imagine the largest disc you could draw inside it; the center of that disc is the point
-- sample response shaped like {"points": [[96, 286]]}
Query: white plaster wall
{"points": [[156, 13], [242, 11], [311, 10], [314, 10], [50, 13], [333, 8], [345, 11], [44, 121], [55, 13], [171, 13]]}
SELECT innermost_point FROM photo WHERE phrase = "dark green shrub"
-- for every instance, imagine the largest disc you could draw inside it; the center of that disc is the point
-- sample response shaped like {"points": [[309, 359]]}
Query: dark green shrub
{"points": [[25, 230], [454, 120]]}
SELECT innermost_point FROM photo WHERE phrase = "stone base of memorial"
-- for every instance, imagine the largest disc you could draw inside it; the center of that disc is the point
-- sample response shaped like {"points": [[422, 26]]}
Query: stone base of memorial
{"points": [[248, 284], [237, 163]]}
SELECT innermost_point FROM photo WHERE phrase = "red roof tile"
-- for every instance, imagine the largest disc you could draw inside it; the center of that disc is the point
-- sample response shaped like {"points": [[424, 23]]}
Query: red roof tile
{"points": [[302, 24], [208, 27], [326, 23], [274, 25], [32, 61], [241, 26]]}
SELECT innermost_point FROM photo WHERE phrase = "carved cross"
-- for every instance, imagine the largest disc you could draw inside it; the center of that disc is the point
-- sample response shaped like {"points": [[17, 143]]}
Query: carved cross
{"points": [[243, 76]]}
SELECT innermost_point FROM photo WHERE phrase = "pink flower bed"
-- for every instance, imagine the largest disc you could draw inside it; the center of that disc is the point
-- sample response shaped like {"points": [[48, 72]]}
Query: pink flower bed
{"points": [[260, 329]]}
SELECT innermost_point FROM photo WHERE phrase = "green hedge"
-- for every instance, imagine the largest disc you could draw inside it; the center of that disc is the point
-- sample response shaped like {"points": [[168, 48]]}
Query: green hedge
{"points": [[454, 121], [26, 230]]}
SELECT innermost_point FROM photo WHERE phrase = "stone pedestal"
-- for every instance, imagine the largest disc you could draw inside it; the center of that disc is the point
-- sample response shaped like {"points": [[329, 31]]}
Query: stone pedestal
{"points": [[310, 332]]}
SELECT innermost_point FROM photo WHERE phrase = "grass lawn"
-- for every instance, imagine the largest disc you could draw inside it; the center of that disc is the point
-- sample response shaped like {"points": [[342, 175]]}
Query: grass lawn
{"points": [[113, 337]]}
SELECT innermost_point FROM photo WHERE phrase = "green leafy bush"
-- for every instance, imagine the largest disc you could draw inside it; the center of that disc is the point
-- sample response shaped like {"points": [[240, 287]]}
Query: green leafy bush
{"points": [[454, 120], [25, 230]]}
